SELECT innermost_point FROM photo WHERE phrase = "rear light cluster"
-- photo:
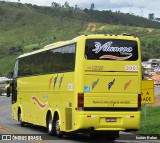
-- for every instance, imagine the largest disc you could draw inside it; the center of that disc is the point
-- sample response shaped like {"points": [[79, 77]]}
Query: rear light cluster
{"points": [[80, 101], [139, 101]]}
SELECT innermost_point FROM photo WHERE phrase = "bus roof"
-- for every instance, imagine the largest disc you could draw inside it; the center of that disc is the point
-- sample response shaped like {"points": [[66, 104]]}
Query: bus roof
{"points": [[62, 43]]}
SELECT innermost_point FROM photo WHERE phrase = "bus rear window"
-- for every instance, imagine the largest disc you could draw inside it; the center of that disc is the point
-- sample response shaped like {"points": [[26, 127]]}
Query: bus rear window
{"points": [[111, 49]]}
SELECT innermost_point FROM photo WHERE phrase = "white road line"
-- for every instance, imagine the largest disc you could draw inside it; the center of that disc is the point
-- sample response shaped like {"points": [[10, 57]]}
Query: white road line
{"points": [[1, 108]]}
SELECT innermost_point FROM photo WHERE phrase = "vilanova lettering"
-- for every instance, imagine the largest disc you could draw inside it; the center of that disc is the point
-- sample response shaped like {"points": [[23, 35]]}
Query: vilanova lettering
{"points": [[108, 48]]}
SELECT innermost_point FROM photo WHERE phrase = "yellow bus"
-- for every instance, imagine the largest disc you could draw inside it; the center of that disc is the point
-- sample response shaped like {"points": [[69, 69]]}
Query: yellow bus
{"points": [[90, 83]]}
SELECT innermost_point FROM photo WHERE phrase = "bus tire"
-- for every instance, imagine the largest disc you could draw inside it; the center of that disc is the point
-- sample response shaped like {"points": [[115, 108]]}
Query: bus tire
{"points": [[50, 125], [22, 124], [58, 132]]}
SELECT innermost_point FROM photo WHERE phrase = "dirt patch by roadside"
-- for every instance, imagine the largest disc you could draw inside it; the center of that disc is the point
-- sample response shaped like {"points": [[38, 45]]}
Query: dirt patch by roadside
{"points": [[91, 27]]}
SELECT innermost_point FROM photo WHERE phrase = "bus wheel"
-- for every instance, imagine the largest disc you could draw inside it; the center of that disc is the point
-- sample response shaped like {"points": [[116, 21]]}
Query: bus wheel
{"points": [[57, 127], [22, 124], [50, 125]]}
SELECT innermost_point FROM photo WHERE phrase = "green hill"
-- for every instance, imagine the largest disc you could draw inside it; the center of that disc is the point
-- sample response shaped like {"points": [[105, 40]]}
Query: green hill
{"points": [[26, 27]]}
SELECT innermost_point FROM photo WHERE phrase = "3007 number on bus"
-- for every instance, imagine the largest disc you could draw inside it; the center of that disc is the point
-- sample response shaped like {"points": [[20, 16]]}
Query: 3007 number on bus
{"points": [[131, 68]]}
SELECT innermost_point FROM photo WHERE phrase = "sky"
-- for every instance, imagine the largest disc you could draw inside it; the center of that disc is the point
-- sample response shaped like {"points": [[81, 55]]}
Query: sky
{"points": [[138, 7]]}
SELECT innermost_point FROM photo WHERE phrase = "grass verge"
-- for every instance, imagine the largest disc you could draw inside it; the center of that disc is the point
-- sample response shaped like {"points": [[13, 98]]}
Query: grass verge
{"points": [[151, 123]]}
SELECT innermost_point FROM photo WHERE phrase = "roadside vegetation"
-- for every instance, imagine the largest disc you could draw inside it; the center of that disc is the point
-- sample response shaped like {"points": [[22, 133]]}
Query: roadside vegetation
{"points": [[150, 124], [26, 27]]}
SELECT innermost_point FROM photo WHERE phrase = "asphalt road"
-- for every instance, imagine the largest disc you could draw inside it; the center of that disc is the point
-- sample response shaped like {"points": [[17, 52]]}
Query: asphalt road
{"points": [[10, 129], [2, 86], [156, 91]]}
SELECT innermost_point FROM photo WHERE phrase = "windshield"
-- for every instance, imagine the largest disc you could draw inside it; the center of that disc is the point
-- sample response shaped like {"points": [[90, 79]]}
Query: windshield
{"points": [[111, 49]]}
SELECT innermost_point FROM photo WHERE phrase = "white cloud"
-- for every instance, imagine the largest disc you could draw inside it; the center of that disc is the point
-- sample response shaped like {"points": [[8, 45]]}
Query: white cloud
{"points": [[135, 6]]}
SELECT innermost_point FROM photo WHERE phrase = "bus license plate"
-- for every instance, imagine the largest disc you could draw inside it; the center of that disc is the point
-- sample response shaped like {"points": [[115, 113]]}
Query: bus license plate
{"points": [[111, 120]]}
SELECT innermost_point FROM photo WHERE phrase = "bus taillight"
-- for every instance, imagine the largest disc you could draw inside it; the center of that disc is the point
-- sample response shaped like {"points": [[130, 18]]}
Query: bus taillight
{"points": [[139, 101], [80, 101]]}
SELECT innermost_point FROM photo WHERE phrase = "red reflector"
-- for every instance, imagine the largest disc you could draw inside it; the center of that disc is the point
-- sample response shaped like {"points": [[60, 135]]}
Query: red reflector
{"points": [[80, 101], [139, 101], [131, 116]]}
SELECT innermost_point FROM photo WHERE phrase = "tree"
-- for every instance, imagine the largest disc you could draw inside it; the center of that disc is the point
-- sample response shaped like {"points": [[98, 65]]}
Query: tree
{"points": [[66, 5], [151, 16], [76, 6], [69, 13], [54, 4], [92, 7]]}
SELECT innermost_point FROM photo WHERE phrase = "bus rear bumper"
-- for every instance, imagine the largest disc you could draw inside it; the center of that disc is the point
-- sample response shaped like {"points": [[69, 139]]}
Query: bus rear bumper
{"points": [[109, 121]]}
